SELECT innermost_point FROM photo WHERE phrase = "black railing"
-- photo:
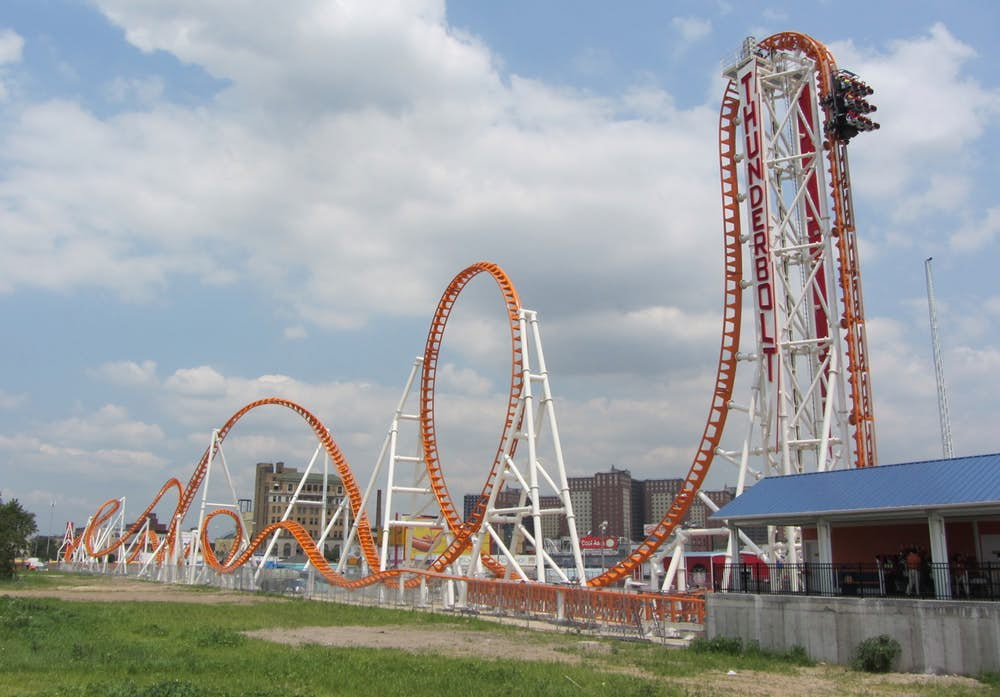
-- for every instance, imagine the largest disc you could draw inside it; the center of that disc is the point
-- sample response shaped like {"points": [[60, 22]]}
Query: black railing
{"points": [[940, 581]]}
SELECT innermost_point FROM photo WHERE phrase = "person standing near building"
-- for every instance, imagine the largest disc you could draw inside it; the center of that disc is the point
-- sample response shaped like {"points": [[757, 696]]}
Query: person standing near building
{"points": [[961, 571], [913, 564]]}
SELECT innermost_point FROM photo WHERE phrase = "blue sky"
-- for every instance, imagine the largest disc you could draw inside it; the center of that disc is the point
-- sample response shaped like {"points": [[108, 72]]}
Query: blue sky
{"points": [[200, 207]]}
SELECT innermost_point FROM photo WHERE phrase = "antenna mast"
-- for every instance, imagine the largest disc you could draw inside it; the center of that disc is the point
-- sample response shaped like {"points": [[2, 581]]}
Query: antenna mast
{"points": [[942, 393]]}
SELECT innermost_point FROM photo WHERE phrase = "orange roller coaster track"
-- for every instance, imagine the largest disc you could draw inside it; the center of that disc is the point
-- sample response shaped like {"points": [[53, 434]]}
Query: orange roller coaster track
{"points": [[461, 531], [351, 487], [106, 511], [726, 374]]}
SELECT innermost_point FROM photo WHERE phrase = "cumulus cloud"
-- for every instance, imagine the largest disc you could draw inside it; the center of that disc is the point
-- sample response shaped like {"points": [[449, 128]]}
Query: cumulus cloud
{"points": [[11, 45], [296, 333], [934, 108], [691, 29], [88, 452], [128, 373], [203, 381], [471, 168], [109, 424], [978, 234], [11, 401], [143, 92]]}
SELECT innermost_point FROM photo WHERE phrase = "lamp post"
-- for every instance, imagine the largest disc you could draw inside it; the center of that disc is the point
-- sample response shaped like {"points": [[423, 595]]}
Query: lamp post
{"points": [[48, 540], [604, 528]]}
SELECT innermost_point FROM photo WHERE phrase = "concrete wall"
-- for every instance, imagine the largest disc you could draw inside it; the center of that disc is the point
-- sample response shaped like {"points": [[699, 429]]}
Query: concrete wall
{"points": [[936, 636]]}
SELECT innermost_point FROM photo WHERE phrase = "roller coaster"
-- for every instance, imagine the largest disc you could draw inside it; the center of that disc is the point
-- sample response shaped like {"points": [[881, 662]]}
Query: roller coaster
{"points": [[794, 344]]}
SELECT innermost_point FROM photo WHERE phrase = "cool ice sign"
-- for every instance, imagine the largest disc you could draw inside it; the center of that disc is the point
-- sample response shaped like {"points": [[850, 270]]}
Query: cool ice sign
{"points": [[595, 542], [758, 212]]}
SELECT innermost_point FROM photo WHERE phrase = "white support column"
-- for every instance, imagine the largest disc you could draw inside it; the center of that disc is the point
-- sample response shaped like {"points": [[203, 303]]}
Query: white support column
{"points": [[732, 557], [939, 556], [824, 575]]}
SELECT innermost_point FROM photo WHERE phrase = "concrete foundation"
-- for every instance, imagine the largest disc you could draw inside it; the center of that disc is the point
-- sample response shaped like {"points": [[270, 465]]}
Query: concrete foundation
{"points": [[943, 636]]}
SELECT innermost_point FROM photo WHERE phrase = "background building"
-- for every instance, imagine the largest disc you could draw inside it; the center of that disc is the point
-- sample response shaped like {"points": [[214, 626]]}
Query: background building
{"points": [[629, 506], [274, 487]]}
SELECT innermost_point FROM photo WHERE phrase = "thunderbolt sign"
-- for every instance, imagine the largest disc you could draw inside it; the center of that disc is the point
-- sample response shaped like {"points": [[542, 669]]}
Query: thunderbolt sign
{"points": [[758, 212]]}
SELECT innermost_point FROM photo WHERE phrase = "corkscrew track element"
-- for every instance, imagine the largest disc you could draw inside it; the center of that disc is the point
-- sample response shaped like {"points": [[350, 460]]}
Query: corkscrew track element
{"points": [[106, 511], [351, 487]]}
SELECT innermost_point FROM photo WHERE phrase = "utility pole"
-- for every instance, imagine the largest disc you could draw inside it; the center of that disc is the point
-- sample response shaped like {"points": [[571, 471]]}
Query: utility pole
{"points": [[942, 393], [48, 539]]}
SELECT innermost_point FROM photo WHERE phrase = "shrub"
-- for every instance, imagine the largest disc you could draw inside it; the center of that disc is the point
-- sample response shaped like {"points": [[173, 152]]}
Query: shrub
{"points": [[218, 637], [876, 654], [799, 656], [720, 644]]}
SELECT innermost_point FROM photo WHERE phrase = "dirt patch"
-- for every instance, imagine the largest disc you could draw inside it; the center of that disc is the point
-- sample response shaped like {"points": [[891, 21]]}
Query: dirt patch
{"points": [[127, 589], [448, 642], [822, 680]]}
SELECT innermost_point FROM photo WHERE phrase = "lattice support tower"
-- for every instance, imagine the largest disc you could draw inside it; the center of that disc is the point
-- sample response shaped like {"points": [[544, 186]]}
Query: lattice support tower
{"points": [[536, 479], [410, 504], [808, 405]]}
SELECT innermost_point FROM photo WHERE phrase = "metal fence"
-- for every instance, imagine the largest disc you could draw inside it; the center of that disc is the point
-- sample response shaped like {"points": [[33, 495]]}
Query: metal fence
{"points": [[616, 612], [887, 579]]}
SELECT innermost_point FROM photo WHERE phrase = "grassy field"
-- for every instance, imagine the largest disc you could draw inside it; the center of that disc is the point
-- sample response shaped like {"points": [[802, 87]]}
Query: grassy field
{"points": [[177, 649]]}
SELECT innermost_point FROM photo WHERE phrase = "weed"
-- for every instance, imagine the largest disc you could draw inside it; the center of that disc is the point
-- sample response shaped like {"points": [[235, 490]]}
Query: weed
{"points": [[726, 645], [218, 636], [876, 654], [990, 678]]}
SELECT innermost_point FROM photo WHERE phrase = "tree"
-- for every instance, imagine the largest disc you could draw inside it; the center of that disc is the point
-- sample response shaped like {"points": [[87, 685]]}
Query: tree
{"points": [[16, 526]]}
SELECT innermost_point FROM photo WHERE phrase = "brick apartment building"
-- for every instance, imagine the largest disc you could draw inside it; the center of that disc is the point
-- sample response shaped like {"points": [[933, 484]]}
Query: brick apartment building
{"points": [[274, 487], [628, 505]]}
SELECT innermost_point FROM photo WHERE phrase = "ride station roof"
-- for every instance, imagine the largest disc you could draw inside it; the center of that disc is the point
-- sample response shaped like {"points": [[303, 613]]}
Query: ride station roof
{"points": [[965, 486]]}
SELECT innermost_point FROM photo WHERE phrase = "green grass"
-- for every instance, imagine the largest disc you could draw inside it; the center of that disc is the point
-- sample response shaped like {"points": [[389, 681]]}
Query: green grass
{"points": [[43, 579], [54, 648]]}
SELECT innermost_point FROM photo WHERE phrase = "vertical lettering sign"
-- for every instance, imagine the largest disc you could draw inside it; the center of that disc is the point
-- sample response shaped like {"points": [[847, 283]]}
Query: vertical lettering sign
{"points": [[758, 213]]}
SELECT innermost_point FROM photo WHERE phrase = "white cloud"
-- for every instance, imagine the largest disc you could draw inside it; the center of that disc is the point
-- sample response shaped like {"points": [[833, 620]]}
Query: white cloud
{"points": [[462, 380], [109, 424], [11, 45], [103, 468], [929, 109], [203, 381], [593, 62], [11, 401], [128, 373], [978, 234], [691, 29], [144, 92], [296, 333], [470, 168]]}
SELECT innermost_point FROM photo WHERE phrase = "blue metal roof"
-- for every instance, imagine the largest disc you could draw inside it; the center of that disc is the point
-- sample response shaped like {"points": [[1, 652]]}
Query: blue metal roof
{"points": [[961, 482]]}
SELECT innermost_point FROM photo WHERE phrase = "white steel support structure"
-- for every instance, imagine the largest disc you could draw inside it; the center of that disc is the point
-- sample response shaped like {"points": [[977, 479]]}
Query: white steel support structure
{"points": [[525, 470], [406, 477], [796, 404], [113, 528], [535, 478], [192, 555]]}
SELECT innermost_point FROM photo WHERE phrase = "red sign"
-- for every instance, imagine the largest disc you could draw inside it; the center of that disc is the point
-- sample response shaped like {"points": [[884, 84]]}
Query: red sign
{"points": [[595, 542], [759, 212]]}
